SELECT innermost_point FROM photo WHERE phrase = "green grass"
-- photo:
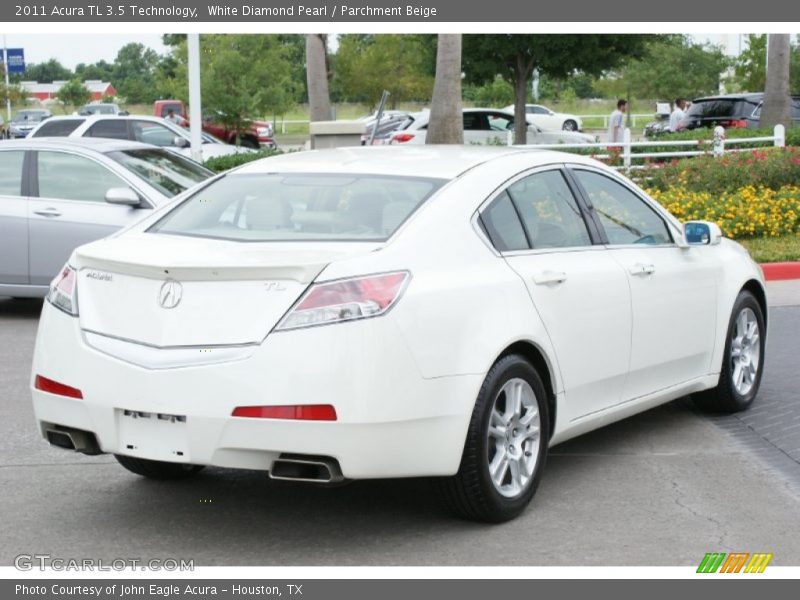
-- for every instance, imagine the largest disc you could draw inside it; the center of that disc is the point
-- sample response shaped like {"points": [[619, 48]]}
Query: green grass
{"points": [[773, 249]]}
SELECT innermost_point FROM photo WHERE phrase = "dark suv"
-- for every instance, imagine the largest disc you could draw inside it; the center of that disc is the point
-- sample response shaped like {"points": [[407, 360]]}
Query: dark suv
{"points": [[731, 110]]}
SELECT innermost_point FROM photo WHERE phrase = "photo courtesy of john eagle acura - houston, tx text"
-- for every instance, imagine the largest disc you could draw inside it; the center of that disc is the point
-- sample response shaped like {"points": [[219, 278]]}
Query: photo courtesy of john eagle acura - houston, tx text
{"points": [[381, 312]]}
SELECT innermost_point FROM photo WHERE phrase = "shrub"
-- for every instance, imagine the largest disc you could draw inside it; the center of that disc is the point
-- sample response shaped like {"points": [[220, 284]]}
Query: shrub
{"points": [[223, 163], [767, 168], [743, 213]]}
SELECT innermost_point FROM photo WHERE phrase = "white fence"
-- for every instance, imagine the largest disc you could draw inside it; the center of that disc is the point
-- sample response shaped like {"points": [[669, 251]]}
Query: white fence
{"points": [[716, 146]]}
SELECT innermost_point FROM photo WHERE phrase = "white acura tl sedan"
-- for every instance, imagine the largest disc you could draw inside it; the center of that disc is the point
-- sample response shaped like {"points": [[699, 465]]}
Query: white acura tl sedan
{"points": [[448, 312]]}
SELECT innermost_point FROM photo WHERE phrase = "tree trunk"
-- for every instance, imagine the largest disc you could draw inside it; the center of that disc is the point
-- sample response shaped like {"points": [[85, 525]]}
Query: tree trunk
{"points": [[446, 125], [521, 72], [776, 107], [317, 77]]}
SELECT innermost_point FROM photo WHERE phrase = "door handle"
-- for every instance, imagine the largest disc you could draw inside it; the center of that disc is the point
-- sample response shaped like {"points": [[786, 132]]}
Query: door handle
{"points": [[547, 277], [47, 212], [642, 270]]}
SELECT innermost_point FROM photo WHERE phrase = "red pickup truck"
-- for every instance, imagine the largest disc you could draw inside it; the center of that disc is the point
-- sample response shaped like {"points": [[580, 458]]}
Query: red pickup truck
{"points": [[258, 135]]}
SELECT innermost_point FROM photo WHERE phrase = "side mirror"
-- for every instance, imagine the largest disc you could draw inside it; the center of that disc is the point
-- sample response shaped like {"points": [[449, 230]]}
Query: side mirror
{"points": [[180, 142], [123, 196], [702, 233]]}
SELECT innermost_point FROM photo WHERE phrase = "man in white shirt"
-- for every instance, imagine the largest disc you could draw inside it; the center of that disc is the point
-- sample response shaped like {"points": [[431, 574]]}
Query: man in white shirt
{"points": [[677, 115], [616, 123]]}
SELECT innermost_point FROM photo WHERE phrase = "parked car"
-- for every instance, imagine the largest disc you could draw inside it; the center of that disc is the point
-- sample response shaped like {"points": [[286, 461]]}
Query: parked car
{"points": [[731, 111], [661, 123], [388, 124], [101, 108], [56, 194], [25, 120], [361, 313], [260, 134], [487, 126], [548, 119], [145, 129]]}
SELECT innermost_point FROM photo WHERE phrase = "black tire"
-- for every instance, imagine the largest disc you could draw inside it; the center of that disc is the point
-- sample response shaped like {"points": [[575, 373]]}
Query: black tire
{"points": [[570, 125], [725, 398], [248, 142], [156, 469], [470, 493]]}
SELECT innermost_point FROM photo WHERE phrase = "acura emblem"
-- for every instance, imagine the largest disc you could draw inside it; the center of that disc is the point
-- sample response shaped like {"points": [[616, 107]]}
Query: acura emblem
{"points": [[170, 294]]}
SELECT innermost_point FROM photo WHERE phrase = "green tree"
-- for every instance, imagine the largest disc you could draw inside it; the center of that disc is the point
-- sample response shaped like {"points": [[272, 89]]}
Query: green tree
{"points": [[365, 65], [47, 72], [13, 92], [101, 70], [671, 66], [243, 76], [133, 73], [750, 71], [515, 56], [73, 93]]}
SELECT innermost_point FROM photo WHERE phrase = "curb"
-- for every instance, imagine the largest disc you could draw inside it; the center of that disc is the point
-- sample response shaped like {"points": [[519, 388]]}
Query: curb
{"points": [[781, 271]]}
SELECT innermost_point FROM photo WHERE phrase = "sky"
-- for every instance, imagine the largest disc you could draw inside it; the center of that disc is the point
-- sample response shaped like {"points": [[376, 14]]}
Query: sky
{"points": [[71, 49]]}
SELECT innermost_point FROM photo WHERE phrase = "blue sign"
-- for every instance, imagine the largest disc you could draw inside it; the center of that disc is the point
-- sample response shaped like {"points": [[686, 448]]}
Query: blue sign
{"points": [[16, 60]]}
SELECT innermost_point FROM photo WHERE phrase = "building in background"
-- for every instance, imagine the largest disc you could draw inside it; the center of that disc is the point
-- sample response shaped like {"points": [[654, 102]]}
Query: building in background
{"points": [[48, 91]]}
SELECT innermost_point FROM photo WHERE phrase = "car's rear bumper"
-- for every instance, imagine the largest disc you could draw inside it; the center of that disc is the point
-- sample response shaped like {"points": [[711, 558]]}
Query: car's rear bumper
{"points": [[391, 422]]}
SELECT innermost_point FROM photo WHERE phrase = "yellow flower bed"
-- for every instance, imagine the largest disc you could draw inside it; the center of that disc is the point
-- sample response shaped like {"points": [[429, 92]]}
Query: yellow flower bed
{"points": [[748, 212]]}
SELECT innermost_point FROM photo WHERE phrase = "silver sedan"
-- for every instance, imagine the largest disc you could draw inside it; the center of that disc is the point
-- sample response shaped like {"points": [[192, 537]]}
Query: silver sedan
{"points": [[57, 194]]}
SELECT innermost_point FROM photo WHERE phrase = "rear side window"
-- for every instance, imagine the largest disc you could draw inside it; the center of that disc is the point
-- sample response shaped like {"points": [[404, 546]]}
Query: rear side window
{"points": [[299, 206], [501, 223], [109, 128], [11, 173], [60, 128]]}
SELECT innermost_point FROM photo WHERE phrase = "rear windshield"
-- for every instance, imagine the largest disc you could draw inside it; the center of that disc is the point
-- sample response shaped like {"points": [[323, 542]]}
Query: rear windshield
{"points": [[60, 128], [721, 108], [166, 171], [294, 207]]}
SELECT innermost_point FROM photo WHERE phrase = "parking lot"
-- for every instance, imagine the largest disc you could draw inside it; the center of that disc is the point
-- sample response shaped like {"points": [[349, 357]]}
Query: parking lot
{"points": [[662, 488]]}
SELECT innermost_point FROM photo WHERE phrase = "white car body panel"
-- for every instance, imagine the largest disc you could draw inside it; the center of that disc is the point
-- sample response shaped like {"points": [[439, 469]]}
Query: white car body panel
{"points": [[403, 384], [546, 118]]}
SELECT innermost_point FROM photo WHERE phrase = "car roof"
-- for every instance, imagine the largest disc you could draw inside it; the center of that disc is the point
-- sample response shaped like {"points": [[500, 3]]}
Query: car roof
{"points": [[101, 145], [93, 118], [436, 161]]}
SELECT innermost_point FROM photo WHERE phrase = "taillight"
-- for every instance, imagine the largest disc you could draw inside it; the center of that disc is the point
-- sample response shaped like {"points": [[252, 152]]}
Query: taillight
{"points": [[63, 292], [300, 412], [346, 300], [54, 387], [402, 137]]}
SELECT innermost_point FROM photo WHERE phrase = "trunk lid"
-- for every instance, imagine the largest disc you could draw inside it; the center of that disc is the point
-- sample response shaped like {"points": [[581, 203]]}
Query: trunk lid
{"points": [[170, 291]]}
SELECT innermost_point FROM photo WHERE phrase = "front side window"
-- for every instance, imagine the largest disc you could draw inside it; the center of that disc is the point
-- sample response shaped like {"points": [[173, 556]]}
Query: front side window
{"points": [[156, 134], [66, 176], [11, 172], [625, 217], [166, 171], [549, 211], [299, 206]]}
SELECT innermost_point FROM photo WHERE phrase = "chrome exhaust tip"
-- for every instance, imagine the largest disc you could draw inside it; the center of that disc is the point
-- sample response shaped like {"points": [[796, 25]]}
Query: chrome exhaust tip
{"points": [[309, 469], [73, 439]]}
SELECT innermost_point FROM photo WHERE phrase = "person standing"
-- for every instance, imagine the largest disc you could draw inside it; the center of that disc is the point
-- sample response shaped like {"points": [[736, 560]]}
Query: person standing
{"points": [[677, 115], [616, 122]]}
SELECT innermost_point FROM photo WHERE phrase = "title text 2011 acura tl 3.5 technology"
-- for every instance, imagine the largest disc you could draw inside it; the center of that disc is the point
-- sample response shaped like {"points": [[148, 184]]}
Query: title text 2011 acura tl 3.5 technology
{"points": [[448, 312]]}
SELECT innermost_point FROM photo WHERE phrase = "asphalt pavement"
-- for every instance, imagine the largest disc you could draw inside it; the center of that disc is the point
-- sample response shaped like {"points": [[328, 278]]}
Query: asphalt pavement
{"points": [[661, 488]]}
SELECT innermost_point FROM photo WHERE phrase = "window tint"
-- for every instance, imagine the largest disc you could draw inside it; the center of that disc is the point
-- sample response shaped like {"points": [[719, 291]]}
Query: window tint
{"points": [[626, 218], [299, 206], [152, 133], [11, 173], [475, 121], [537, 110], [168, 172], [60, 128], [500, 122], [501, 223], [71, 177], [549, 211], [109, 128]]}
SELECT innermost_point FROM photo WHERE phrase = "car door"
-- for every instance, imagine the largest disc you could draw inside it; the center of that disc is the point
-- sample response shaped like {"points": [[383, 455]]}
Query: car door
{"points": [[673, 289], [542, 117], [13, 218], [116, 129], [578, 290], [476, 128], [68, 208]]}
